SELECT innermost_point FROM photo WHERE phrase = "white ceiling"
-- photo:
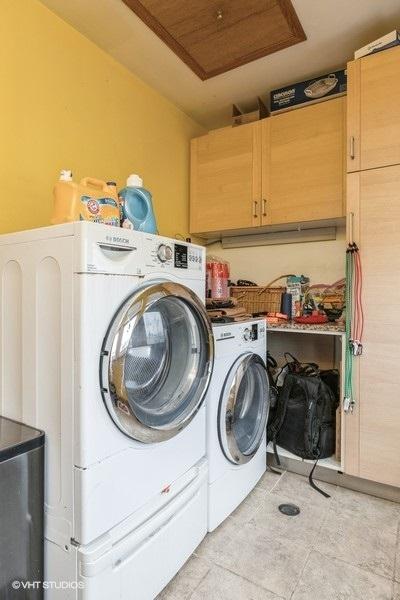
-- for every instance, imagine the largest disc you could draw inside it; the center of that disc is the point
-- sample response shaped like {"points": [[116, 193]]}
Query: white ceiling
{"points": [[334, 29]]}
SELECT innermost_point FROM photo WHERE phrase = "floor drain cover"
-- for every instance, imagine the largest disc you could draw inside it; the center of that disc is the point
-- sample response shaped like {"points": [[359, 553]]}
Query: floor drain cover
{"points": [[290, 510]]}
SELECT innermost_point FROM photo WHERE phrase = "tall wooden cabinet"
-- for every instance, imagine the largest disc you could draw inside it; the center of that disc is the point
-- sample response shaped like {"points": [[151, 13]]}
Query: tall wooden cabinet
{"points": [[288, 168], [372, 431], [373, 111]]}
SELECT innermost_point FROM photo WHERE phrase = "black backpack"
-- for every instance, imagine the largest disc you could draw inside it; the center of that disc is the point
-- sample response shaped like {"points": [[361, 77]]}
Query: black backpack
{"points": [[304, 420], [272, 366]]}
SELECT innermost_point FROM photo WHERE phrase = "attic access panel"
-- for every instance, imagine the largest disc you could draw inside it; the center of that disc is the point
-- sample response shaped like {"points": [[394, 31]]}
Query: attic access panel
{"points": [[213, 36]]}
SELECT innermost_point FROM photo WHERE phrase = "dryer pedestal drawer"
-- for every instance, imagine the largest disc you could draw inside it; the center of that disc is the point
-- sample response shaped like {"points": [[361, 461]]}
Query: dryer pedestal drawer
{"points": [[137, 564], [111, 491]]}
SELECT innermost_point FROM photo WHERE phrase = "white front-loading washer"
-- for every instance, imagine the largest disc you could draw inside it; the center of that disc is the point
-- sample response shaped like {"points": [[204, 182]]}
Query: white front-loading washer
{"points": [[108, 349], [237, 412]]}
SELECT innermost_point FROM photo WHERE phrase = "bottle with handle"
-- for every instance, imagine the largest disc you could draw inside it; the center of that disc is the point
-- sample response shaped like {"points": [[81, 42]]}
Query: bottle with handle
{"points": [[89, 200], [136, 206]]}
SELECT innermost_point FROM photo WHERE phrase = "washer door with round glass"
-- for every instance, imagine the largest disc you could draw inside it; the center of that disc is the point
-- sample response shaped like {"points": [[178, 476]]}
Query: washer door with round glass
{"points": [[156, 362], [243, 409]]}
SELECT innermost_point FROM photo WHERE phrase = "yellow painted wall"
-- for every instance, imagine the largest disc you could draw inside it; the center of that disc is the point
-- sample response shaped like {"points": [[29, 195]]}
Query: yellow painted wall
{"points": [[64, 103]]}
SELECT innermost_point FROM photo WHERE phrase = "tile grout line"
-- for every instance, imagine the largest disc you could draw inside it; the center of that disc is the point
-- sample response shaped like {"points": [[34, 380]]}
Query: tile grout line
{"points": [[312, 547], [201, 580], [276, 482], [313, 544], [221, 565], [323, 521], [301, 573], [357, 567], [259, 586], [397, 555]]}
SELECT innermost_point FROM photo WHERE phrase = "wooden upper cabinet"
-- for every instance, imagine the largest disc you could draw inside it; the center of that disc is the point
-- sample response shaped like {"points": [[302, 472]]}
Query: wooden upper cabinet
{"points": [[226, 179], [289, 168], [303, 164], [373, 130], [372, 435]]}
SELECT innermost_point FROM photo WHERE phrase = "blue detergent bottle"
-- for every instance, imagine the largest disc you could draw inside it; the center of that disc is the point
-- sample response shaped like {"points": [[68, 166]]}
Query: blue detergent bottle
{"points": [[136, 206]]}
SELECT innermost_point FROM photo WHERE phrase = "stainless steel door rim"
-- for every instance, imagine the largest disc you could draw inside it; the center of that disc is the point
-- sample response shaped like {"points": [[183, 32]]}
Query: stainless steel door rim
{"points": [[244, 395], [156, 361]]}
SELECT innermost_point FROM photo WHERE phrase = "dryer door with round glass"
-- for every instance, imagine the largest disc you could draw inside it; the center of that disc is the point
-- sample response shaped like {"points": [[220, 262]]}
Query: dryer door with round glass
{"points": [[156, 362], [243, 409]]}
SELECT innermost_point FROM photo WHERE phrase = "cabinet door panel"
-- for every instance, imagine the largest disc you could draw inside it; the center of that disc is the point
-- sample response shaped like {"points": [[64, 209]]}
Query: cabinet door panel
{"points": [[378, 379], [353, 116], [226, 179], [306, 165], [380, 109]]}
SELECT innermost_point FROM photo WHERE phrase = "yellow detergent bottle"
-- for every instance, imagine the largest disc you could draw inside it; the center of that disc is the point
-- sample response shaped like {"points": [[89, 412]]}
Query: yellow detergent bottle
{"points": [[90, 200]]}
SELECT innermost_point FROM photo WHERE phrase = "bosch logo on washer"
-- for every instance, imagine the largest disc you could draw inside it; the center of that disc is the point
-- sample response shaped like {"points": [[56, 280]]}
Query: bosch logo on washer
{"points": [[226, 334]]}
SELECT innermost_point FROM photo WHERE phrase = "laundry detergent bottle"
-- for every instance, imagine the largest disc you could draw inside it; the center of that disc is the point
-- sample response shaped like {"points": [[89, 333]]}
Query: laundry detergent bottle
{"points": [[136, 206], [89, 200]]}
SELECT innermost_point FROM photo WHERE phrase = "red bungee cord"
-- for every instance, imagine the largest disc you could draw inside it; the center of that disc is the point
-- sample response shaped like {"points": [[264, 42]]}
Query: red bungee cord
{"points": [[358, 313]]}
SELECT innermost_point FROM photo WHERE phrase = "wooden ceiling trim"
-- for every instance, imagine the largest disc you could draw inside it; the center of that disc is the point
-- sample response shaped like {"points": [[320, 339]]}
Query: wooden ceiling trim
{"points": [[291, 34], [293, 20], [137, 7]]}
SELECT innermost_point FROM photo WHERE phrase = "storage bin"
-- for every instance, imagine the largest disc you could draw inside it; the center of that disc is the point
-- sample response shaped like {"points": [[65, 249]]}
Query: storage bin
{"points": [[257, 299], [22, 507]]}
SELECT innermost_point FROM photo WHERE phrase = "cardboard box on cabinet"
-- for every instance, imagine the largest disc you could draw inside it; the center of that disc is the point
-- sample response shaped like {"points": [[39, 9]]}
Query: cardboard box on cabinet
{"points": [[324, 87]]}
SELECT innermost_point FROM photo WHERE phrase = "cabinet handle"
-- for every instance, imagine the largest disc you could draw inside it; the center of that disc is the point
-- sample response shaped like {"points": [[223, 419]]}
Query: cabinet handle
{"points": [[352, 155], [264, 207], [255, 209], [351, 227]]}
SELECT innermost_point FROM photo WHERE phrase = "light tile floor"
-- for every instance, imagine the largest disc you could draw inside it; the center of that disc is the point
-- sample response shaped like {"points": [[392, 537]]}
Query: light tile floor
{"points": [[346, 547]]}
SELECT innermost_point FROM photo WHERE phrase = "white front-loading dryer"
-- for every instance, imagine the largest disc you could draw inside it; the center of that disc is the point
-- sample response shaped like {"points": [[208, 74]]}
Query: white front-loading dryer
{"points": [[110, 352], [237, 412]]}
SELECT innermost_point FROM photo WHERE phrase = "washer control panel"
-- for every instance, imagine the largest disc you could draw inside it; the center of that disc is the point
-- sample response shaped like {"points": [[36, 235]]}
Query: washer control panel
{"points": [[181, 253], [230, 338], [171, 254], [164, 253], [243, 333], [247, 333], [250, 333]]}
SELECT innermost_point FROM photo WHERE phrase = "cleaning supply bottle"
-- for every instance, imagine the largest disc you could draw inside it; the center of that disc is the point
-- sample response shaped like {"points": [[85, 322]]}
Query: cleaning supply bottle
{"points": [[89, 200], [136, 206]]}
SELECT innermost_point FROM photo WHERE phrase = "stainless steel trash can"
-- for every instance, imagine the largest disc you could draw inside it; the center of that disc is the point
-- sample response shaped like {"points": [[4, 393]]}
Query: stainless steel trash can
{"points": [[21, 511]]}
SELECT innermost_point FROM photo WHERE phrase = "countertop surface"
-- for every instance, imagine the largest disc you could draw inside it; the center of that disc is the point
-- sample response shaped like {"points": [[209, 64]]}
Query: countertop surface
{"points": [[326, 328]]}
